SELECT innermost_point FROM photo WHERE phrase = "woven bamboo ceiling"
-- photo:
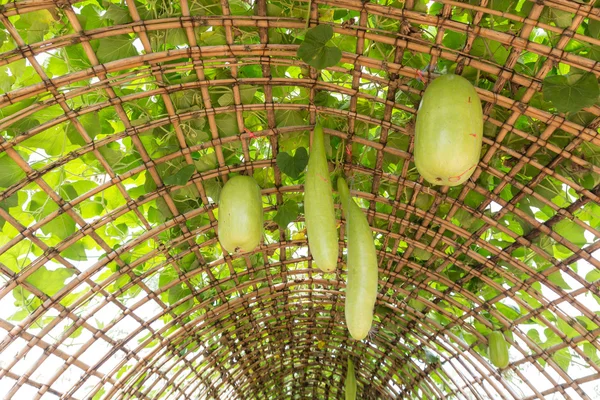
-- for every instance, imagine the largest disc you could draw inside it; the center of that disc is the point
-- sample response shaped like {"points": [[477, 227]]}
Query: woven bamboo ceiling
{"points": [[120, 121]]}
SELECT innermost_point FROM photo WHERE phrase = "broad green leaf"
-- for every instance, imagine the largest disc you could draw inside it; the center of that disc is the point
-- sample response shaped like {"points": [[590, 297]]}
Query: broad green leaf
{"points": [[99, 394], [90, 17], [117, 14], [181, 177], [10, 172], [287, 213], [563, 358], [206, 163], [227, 124], [571, 231], [49, 282], [594, 53], [76, 252], [565, 328], [421, 254], [115, 48], [314, 50], [594, 28], [560, 18], [176, 37], [53, 141], [62, 226], [212, 187], [294, 165], [177, 293], [454, 40], [592, 276], [6, 80], [558, 280], [226, 99], [34, 25], [490, 49], [216, 37], [592, 353], [571, 93], [92, 125], [509, 312]]}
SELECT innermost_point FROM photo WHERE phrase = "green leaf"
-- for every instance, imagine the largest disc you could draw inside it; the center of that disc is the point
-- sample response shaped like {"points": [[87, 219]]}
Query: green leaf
{"points": [[287, 213], [293, 165], [510, 312], [115, 48], [227, 124], [567, 329], [181, 177], [53, 141], [212, 187], [117, 14], [6, 80], [592, 276], [594, 28], [314, 50], [560, 18], [90, 18], [61, 226], [563, 358], [50, 282], [594, 53], [490, 49], [92, 125], [99, 395], [571, 231], [591, 352], [558, 280], [571, 93], [34, 25], [76, 252], [454, 40], [10, 172], [176, 37]]}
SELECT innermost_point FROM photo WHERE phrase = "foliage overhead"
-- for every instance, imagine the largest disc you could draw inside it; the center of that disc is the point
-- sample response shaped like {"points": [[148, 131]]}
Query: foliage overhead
{"points": [[480, 257]]}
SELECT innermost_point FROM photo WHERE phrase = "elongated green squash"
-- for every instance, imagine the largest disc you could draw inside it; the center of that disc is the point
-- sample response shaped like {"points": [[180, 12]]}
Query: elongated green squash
{"points": [[498, 349], [240, 215], [350, 384], [449, 131], [318, 207], [361, 288]]}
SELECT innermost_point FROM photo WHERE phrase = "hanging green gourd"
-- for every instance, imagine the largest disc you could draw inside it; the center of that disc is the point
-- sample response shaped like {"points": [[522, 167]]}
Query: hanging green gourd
{"points": [[350, 384], [448, 131], [318, 207], [240, 215], [498, 349], [361, 286]]}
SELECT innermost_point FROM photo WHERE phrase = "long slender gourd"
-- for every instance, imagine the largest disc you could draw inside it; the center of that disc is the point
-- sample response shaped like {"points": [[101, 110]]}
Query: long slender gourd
{"points": [[361, 288], [350, 384], [318, 207], [449, 131], [240, 215]]}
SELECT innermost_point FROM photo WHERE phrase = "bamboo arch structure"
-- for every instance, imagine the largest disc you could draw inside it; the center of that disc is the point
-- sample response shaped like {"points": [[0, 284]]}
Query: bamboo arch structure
{"points": [[113, 284]]}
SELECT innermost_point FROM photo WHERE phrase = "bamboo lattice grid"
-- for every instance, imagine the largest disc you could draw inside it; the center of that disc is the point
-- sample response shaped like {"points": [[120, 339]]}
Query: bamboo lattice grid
{"points": [[102, 102]]}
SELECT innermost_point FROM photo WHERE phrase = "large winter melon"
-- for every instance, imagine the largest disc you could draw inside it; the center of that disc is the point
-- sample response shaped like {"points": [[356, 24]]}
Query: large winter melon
{"points": [[449, 131], [240, 215]]}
